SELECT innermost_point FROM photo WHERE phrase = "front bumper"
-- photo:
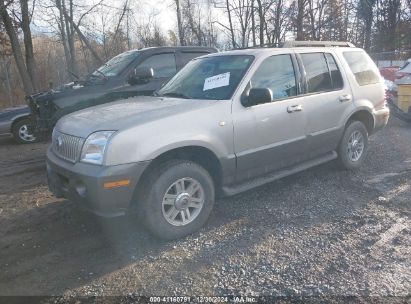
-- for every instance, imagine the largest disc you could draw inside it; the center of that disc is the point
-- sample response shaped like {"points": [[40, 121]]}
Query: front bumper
{"points": [[381, 118], [84, 184]]}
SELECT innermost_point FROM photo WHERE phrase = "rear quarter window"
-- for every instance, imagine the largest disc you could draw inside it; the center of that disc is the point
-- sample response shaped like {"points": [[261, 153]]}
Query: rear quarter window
{"points": [[362, 67]]}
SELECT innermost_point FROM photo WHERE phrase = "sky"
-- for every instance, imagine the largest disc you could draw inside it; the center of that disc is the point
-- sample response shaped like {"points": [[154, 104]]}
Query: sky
{"points": [[163, 10]]}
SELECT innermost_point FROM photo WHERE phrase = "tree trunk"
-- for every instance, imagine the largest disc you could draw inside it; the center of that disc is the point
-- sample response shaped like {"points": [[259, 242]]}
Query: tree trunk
{"points": [[62, 27], [367, 33], [70, 36], [253, 22], [82, 37], [179, 23], [277, 26], [300, 19], [71, 42], [262, 21], [8, 82], [17, 53], [231, 24], [28, 43]]}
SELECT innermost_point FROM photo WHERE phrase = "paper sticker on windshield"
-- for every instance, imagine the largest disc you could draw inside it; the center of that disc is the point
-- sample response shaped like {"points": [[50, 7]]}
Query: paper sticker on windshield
{"points": [[217, 81]]}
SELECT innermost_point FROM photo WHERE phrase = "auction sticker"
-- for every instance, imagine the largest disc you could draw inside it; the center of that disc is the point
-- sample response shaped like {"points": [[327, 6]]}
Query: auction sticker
{"points": [[217, 81]]}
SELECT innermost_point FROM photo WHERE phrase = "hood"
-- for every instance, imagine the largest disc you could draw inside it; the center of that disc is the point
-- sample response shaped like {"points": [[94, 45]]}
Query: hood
{"points": [[125, 113], [75, 92]]}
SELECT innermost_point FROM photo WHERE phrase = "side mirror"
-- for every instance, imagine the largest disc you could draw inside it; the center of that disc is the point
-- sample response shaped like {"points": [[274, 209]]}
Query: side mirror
{"points": [[257, 96], [141, 76]]}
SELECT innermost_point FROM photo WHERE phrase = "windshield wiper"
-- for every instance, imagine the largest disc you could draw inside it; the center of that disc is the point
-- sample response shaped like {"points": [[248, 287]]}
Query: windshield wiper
{"points": [[100, 72], [73, 74], [175, 94]]}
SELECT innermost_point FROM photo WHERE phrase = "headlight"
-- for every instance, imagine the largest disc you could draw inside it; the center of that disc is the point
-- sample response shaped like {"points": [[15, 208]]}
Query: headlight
{"points": [[94, 147]]}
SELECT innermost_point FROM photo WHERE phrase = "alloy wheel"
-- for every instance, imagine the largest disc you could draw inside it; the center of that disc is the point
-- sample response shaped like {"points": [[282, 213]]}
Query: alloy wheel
{"points": [[183, 201]]}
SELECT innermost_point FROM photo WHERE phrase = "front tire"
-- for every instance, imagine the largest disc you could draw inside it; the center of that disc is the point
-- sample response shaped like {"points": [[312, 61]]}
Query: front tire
{"points": [[353, 147], [23, 131], [176, 199]]}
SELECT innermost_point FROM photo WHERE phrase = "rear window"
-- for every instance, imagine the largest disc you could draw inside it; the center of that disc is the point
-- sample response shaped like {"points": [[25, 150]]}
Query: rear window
{"points": [[336, 78], [362, 67]]}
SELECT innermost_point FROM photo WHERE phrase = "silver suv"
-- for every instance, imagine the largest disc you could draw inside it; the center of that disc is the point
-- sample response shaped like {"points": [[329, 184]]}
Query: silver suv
{"points": [[226, 123]]}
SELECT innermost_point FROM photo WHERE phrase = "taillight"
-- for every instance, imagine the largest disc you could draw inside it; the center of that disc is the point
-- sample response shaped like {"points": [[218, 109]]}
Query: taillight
{"points": [[388, 96]]}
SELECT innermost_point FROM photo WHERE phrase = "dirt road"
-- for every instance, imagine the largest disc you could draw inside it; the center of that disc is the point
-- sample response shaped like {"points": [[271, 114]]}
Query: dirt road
{"points": [[320, 232]]}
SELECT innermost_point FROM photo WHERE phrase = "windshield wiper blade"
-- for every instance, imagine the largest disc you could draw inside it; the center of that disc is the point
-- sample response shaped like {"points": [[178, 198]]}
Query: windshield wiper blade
{"points": [[73, 74], [175, 94], [101, 73]]}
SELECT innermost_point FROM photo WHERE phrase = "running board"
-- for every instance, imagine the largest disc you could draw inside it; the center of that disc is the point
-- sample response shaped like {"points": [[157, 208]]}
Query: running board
{"points": [[228, 191]]}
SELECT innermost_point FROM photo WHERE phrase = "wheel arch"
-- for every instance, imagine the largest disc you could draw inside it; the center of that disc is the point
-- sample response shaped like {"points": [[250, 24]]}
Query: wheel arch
{"points": [[197, 154], [364, 116], [18, 119]]}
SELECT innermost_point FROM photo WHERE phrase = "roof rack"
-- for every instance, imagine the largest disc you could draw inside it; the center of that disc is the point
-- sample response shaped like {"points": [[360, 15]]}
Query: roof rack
{"points": [[289, 44], [258, 46], [292, 43]]}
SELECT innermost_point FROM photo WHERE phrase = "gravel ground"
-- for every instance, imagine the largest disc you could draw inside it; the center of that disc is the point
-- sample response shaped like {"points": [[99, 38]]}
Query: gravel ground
{"points": [[323, 232]]}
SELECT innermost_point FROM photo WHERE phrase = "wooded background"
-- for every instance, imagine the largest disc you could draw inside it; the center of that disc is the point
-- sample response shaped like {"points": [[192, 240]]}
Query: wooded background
{"points": [[45, 43]]}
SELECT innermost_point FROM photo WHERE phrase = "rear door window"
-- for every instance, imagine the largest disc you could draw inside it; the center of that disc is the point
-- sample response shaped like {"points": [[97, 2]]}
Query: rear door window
{"points": [[362, 67], [164, 65], [336, 77], [277, 74], [317, 73]]}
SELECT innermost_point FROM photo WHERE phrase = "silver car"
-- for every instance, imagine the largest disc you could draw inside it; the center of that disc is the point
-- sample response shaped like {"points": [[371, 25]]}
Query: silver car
{"points": [[226, 123]]}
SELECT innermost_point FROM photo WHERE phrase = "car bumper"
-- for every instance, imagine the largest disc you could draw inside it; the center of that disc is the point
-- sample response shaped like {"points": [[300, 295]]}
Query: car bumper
{"points": [[87, 184], [381, 118]]}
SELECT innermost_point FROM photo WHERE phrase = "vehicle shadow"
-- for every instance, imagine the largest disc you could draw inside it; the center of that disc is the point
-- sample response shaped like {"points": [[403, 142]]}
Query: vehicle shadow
{"points": [[58, 247]]}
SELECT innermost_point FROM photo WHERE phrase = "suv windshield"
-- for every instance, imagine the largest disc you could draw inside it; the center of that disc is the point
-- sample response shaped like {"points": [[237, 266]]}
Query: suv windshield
{"points": [[116, 65], [213, 78]]}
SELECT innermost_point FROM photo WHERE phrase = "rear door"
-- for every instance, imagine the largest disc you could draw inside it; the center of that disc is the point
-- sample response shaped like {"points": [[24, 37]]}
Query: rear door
{"points": [[327, 100]]}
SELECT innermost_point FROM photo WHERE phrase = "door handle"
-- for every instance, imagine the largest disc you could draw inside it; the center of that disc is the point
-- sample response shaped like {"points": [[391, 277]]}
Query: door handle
{"points": [[345, 97], [294, 108]]}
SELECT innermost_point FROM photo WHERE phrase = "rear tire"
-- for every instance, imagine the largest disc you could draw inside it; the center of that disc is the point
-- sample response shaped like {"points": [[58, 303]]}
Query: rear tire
{"points": [[176, 199], [23, 131], [353, 146]]}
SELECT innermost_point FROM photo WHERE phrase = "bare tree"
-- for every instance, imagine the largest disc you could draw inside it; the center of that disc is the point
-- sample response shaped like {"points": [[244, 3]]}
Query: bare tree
{"points": [[15, 45], [83, 38], [179, 22], [225, 5], [300, 19], [28, 43], [365, 12]]}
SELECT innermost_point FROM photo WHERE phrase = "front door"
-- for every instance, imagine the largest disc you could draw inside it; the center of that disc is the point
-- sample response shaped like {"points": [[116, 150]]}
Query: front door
{"points": [[270, 136], [164, 67]]}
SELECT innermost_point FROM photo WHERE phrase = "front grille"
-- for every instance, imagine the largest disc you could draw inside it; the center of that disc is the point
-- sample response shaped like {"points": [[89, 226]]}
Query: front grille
{"points": [[67, 147]]}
